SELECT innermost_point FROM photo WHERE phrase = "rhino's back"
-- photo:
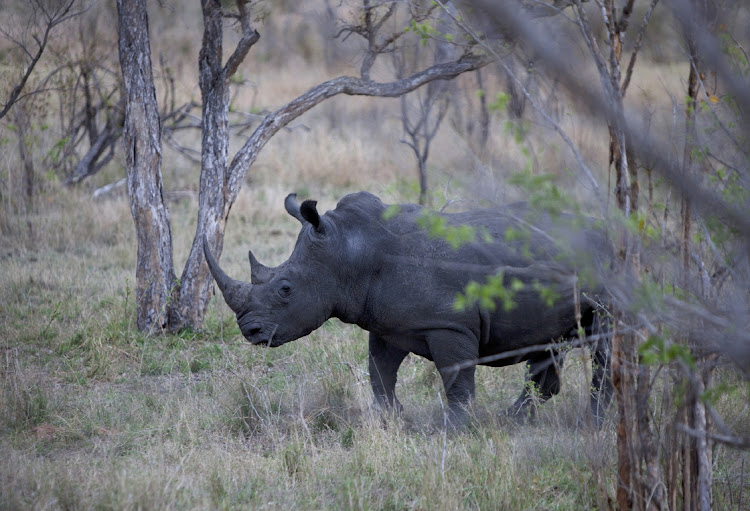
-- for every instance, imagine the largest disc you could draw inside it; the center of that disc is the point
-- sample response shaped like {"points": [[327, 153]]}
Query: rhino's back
{"points": [[508, 236]]}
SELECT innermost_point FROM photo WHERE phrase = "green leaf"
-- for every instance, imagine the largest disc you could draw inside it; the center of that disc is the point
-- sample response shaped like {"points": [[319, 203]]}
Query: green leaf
{"points": [[391, 211], [501, 101]]}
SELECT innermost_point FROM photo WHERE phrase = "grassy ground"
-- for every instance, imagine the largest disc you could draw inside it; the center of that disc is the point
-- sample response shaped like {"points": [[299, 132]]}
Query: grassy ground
{"points": [[95, 415]]}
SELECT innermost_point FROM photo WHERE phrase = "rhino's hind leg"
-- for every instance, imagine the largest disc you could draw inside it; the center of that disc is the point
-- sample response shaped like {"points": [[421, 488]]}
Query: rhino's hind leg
{"points": [[542, 382], [384, 363]]}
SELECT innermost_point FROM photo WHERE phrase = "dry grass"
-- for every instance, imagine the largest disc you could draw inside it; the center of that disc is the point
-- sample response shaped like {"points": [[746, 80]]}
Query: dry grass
{"points": [[205, 422]]}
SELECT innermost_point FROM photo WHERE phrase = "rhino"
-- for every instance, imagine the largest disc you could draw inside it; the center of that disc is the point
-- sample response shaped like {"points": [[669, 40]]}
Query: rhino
{"points": [[383, 268]]}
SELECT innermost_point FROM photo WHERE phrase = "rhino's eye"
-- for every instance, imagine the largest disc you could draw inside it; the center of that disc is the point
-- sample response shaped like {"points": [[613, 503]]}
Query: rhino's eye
{"points": [[284, 289]]}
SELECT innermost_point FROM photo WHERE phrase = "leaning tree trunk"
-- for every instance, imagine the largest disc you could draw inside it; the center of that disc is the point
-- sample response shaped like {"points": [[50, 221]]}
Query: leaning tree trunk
{"points": [[216, 195], [142, 144], [220, 188]]}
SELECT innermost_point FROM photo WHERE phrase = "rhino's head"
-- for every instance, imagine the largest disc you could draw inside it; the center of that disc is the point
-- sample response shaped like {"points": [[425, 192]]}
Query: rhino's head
{"points": [[289, 301]]}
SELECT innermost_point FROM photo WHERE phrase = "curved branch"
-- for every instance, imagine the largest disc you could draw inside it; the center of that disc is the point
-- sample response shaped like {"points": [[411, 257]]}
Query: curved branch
{"points": [[348, 85]]}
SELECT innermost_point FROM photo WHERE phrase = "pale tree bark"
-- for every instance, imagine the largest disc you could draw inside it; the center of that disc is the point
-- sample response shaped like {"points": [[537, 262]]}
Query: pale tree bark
{"points": [[142, 144], [215, 198]]}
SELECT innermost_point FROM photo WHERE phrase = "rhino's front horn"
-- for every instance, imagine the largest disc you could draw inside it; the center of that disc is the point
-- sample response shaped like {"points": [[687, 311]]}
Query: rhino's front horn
{"points": [[236, 293]]}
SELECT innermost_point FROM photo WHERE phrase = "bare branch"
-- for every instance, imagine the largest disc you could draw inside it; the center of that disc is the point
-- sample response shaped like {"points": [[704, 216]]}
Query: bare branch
{"points": [[595, 104], [250, 36], [572, 146], [60, 15], [343, 85], [637, 47], [740, 442]]}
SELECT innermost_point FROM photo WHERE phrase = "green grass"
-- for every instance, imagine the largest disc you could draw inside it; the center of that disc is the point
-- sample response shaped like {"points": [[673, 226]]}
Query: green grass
{"points": [[95, 415]]}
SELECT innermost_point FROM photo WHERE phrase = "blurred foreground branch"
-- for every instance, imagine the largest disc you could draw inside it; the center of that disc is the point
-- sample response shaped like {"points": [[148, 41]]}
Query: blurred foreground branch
{"points": [[672, 313]]}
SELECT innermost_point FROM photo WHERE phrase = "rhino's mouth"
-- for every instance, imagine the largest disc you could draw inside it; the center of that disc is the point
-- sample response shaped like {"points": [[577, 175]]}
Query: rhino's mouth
{"points": [[258, 333]]}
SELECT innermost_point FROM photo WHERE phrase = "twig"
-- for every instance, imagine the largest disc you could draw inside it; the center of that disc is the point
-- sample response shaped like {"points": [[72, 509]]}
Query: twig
{"points": [[524, 351], [106, 189], [637, 47], [740, 442], [445, 437], [571, 145]]}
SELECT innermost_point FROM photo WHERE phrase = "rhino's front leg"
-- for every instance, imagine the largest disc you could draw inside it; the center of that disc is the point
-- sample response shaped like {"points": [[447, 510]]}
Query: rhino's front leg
{"points": [[449, 349], [384, 363]]}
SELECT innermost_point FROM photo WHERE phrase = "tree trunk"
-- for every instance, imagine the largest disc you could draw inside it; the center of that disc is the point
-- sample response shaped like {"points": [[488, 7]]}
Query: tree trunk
{"points": [[636, 445], [697, 485], [193, 294], [622, 381], [142, 144], [216, 194]]}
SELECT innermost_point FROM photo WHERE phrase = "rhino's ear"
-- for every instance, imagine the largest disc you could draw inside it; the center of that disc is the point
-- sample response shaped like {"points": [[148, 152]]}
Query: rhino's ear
{"points": [[291, 206], [310, 213]]}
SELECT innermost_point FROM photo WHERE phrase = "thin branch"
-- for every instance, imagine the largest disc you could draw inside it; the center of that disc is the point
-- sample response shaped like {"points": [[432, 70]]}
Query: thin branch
{"points": [[59, 16], [250, 36], [594, 103], [740, 442], [637, 47], [556, 126], [521, 352]]}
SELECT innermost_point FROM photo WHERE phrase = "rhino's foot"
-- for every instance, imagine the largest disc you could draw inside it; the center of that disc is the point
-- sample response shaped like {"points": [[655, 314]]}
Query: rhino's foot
{"points": [[387, 412], [457, 416], [385, 407]]}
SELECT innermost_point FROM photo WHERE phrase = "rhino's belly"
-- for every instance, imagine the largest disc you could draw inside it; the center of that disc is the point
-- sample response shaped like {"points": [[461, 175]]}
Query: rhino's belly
{"points": [[411, 343], [501, 354], [514, 337]]}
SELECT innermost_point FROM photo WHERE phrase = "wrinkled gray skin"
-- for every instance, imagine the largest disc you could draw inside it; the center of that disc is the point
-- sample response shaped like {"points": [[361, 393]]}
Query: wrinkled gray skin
{"points": [[394, 280]]}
